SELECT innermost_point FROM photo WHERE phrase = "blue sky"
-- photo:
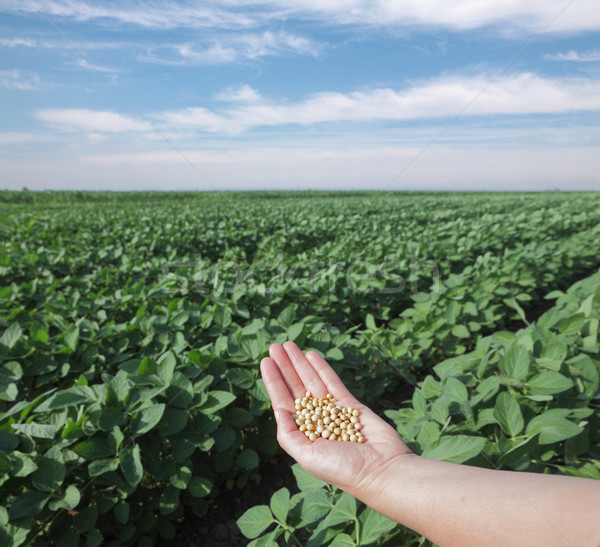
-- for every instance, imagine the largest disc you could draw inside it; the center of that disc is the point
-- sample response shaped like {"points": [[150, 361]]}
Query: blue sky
{"points": [[418, 94]]}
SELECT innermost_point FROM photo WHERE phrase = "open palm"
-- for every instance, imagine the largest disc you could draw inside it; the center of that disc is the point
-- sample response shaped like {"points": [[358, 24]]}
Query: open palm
{"points": [[288, 374]]}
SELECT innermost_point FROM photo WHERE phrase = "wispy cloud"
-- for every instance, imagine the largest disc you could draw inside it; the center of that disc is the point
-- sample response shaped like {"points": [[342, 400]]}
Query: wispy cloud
{"points": [[590, 56], [17, 42], [18, 79], [76, 120], [243, 93], [166, 15], [519, 94], [531, 16], [245, 109], [231, 48], [84, 63]]}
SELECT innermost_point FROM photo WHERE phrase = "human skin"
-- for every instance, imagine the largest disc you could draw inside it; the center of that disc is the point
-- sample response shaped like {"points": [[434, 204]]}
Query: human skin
{"points": [[450, 504]]}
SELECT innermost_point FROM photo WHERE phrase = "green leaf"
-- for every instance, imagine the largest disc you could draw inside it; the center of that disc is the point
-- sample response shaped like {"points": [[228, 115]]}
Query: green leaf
{"points": [[95, 538], [169, 500], [181, 478], [200, 487], [552, 428], [280, 504], [455, 390], [572, 325], [306, 482], [255, 521], [343, 540], [508, 414], [343, 511], [24, 464], [173, 421], [430, 433], [216, 401], [515, 362], [373, 525], [93, 449], [460, 331], [69, 500], [147, 418], [548, 382], [28, 504], [50, 473], [334, 354], [455, 448], [121, 512], [98, 467], [8, 441], [72, 396], [41, 431], [248, 459], [241, 377], [117, 389], [315, 505], [11, 335], [11, 372], [72, 337], [166, 366], [131, 464], [294, 331]]}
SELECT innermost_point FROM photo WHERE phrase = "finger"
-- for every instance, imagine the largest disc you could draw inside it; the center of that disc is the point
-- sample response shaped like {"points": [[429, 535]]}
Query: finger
{"points": [[305, 370], [288, 372], [290, 438], [276, 386], [328, 376]]}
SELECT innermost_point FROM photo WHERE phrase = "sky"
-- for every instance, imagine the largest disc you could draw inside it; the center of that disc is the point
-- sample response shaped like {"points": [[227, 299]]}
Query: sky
{"points": [[318, 94]]}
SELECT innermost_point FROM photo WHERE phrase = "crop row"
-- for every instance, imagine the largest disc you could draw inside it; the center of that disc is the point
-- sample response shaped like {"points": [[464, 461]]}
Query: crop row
{"points": [[133, 327]]}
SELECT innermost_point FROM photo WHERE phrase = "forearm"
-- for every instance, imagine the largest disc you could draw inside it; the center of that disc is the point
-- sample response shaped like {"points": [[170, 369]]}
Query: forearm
{"points": [[463, 505]]}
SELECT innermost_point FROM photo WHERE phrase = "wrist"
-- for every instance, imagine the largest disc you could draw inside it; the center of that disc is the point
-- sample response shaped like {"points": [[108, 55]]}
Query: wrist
{"points": [[387, 485]]}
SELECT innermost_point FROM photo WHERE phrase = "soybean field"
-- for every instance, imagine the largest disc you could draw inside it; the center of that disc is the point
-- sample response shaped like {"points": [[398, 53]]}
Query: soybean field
{"points": [[132, 326]]}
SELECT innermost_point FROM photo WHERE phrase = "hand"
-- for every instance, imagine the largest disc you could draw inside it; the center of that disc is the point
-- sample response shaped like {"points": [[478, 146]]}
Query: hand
{"points": [[288, 374]]}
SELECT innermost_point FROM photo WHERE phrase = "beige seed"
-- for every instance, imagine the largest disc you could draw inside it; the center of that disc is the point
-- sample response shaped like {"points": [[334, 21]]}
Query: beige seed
{"points": [[355, 412], [326, 433], [302, 427], [313, 436], [353, 438], [354, 420]]}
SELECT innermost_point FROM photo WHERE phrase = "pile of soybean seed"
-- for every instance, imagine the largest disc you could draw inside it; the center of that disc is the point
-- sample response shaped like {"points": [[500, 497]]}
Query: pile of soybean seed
{"points": [[323, 418]]}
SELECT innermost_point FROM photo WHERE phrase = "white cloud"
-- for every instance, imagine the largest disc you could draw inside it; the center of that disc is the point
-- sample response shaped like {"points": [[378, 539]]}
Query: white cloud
{"points": [[231, 48], [76, 119], [84, 63], [591, 56], [171, 14], [243, 93], [530, 16], [17, 42], [17, 79], [441, 98], [519, 94]]}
